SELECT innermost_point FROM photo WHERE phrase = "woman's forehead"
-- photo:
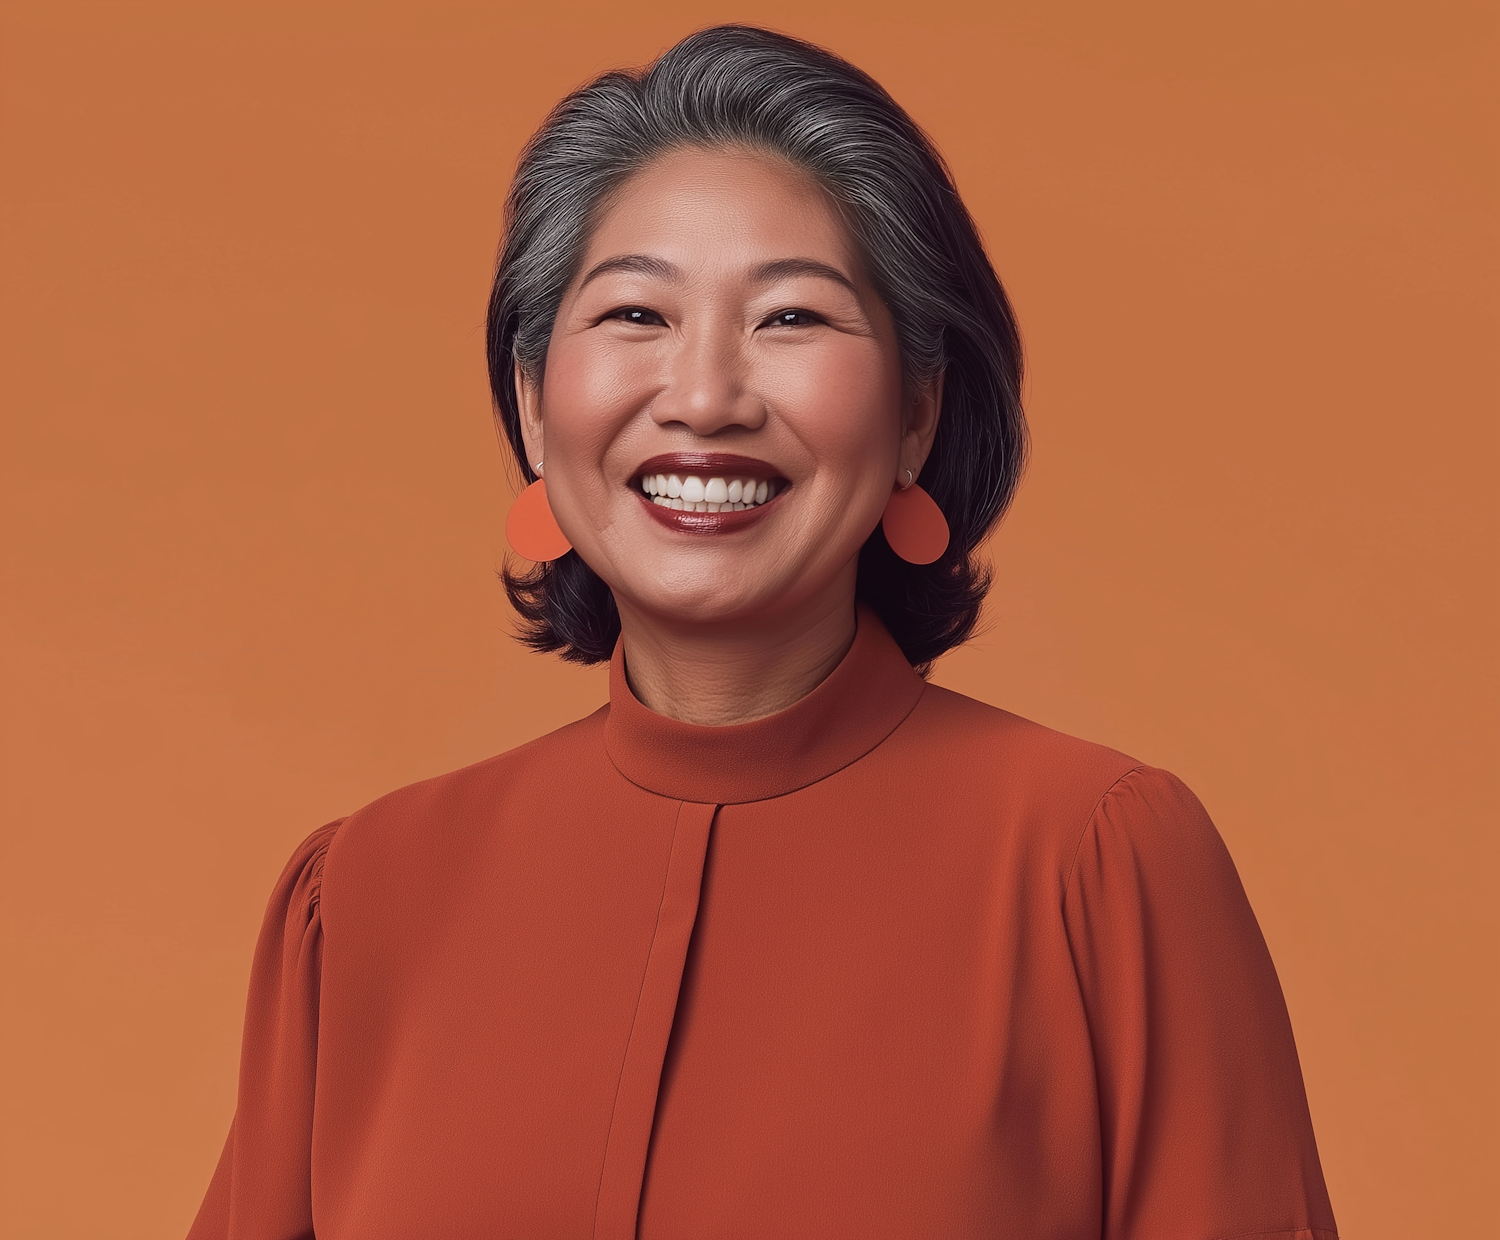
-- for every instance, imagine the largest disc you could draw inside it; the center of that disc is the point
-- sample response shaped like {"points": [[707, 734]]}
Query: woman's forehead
{"points": [[729, 207]]}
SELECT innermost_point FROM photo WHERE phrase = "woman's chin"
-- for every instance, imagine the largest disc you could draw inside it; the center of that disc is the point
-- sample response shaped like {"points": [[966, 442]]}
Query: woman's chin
{"points": [[708, 609], [763, 574], [718, 601]]}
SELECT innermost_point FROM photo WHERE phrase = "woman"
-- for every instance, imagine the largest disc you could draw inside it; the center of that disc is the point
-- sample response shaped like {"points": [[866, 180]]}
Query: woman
{"points": [[783, 942]]}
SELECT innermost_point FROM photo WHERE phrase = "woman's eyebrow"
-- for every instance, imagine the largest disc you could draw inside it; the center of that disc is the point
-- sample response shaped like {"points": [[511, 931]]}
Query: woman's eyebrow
{"points": [[638, 264], [783, 267], [765, 273]]}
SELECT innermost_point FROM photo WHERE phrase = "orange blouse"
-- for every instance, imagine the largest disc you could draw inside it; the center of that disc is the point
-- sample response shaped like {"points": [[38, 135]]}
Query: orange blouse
{"points": [[890, 963]]}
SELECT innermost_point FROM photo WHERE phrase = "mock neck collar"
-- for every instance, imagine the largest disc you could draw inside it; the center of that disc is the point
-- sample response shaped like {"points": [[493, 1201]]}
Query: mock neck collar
{"points": [[859, 704]]}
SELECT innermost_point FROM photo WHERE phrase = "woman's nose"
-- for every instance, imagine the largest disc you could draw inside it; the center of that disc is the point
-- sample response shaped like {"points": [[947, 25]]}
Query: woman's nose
{"points": [[707, 389]]}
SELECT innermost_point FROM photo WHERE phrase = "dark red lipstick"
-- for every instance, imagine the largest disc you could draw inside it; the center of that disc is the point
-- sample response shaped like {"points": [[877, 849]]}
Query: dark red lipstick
{"points": [[708, 464]]}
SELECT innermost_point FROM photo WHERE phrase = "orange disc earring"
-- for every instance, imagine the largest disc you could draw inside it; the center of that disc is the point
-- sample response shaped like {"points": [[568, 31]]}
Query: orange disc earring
{"points": [[914, 525], [531, 529]]}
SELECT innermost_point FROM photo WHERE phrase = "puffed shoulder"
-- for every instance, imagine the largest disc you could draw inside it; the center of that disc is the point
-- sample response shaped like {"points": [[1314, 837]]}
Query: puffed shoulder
{"points": [[1205, 1123], [301, 883], [270, 1140], [1148, 807], [1150, 816]]}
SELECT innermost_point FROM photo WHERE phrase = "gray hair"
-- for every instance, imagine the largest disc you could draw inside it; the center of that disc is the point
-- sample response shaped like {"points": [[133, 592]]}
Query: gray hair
{"points": [[744, 87]]}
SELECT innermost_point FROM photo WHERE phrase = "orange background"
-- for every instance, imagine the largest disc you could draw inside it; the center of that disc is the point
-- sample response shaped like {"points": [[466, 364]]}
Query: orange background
{"points": [[253, 501]]}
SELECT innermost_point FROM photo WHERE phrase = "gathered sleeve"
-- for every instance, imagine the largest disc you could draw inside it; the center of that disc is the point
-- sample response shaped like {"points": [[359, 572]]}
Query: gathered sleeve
{"points": [[261, 1189], [1204, 1120]]}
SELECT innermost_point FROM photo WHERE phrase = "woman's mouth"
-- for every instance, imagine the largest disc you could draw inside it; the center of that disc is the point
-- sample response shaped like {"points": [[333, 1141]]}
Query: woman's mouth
{"points": [[695, 493], [707, 492]]}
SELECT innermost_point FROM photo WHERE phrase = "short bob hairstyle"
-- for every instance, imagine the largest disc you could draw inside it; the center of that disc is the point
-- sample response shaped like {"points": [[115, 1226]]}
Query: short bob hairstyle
{"points": [[748, 88]]}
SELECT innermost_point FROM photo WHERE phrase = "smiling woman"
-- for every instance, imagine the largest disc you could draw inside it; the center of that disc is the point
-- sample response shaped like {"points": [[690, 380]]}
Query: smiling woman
{"points": [[780, 218], [721, 306], [784, 941]]}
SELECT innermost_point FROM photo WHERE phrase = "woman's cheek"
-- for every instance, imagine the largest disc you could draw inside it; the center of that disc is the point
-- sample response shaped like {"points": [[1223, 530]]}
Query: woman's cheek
{"points": [[622, 382], [596, 387], [844, 402]]}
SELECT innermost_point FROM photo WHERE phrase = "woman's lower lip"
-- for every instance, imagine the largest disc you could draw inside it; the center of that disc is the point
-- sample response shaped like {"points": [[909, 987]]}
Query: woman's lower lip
{"points": [[708, 522]]}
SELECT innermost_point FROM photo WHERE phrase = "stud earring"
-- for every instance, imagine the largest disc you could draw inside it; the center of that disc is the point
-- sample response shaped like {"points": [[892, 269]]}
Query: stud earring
{"points": [[914, 525], [531, 529]]}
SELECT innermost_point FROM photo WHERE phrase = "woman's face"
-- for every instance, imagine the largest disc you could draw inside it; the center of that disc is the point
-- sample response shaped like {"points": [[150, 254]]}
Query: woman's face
{"points": [[723, 416]]}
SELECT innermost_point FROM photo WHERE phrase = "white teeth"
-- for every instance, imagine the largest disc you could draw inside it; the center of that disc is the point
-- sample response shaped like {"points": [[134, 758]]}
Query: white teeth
{"points": [[704, 506], [695, 494]]}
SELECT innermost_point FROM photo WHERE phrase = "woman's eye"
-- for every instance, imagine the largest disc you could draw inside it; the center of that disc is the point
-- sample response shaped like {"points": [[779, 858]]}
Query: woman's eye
{"points": [[638, 315], [793, 318]]}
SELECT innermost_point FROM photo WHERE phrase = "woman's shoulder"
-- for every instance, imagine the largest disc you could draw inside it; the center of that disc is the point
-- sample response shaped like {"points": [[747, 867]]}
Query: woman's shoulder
{"points": [[995, 744], [292, 910], [417, 816], [568, 751], [1062, 786]]}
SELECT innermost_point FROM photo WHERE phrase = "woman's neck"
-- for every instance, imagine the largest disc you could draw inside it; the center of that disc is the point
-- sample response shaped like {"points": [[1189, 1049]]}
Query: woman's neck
{"points": [[720, 674]]}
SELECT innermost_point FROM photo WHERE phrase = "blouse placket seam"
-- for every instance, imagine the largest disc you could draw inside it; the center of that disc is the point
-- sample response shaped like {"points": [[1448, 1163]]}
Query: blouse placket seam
{"points": [[635, 1017], [625, 1059]]}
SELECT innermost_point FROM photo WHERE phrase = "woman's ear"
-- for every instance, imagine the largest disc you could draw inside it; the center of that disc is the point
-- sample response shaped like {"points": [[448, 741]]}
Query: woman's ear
{"points": [[529, 406], [920, 426]]}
